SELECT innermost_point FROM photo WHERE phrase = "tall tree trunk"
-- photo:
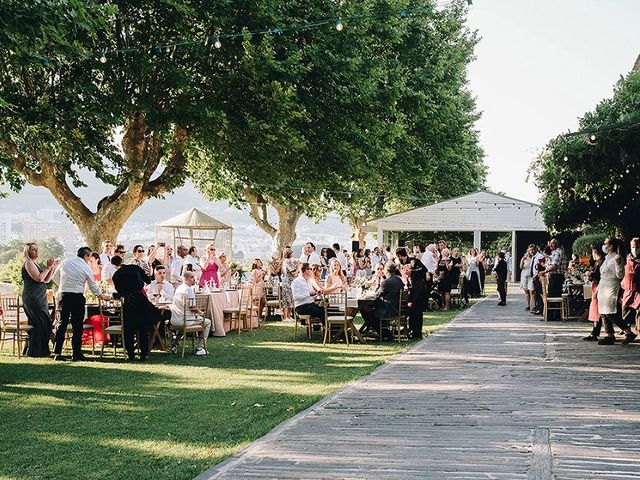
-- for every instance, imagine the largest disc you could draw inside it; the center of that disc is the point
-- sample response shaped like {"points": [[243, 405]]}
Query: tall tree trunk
{"points": [[357, 233], [285, 233], [143, 152]]}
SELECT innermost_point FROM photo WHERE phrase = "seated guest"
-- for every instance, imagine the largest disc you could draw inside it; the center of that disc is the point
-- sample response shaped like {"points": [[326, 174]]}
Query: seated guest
{"points": [[336, 281], [185, 297], [304, 294], [387, 299], [377, 278], [160, 287], [316, 278], [402, 257], [138, 312]]}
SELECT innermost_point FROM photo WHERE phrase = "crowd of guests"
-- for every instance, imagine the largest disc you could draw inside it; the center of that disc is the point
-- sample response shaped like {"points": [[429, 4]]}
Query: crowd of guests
{"points": [[140, 284]]}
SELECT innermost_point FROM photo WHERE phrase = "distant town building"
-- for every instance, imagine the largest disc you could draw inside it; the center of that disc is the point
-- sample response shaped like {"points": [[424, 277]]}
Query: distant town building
{"points": [[66, 233], [5, 228]]}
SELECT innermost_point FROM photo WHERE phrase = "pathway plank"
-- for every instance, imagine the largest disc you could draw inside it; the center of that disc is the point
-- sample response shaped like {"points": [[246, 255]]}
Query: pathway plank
{"points": [[495, 394]]}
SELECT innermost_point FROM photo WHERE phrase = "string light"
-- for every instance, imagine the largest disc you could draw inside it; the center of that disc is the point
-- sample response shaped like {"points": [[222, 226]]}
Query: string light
{"points": [[103, 58], [339, 25], [216, 41]]}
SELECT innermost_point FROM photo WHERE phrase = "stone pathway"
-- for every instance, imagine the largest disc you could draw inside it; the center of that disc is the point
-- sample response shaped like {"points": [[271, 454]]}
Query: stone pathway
{"points": [[496, 394]]}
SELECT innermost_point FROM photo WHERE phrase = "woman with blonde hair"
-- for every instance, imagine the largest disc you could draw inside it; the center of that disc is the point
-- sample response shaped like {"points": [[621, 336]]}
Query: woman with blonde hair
{"points": [[289, 268], [336, 281], [34, 300]]}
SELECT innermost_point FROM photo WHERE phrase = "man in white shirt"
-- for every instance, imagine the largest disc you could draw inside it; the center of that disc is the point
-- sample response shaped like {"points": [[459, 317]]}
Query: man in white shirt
{"points": [[304, 296], [184, 300], [375, 257], [109, 268], [309, 255], [429, 258], [74, 274], [160, 287], [177, 266], [105, 256], [341, 258]]}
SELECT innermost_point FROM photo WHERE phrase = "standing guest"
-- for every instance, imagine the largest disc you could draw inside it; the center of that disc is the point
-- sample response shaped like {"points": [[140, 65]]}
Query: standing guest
{"points": [[178, 265], [209, 274], [359, 264], [444, 281], [106, 254], [405, 275], [139, 314], [509, 260], [375, 257], [482, 267], [385, 254], [594, 276], [96, 266], [193, 259], [139, 260], [611, 273], [350, 264], [289, 268], [309, 255], [341, 257], [304, 295], [418, 297], [418, 250], [74, 275], [367, 261], [402, 257], [109, 269], [161, 289], [324, 261], [631, 286], [535, 287], [224, 270], [430, 261], [472, 285], [525, 276], [184, 299], [555, 268], [258, 275], [455, 268], [34, 300], [502, 273], [336, 280]]}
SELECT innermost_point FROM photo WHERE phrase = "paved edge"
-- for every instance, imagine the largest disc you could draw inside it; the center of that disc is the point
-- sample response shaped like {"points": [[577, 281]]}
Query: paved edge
{"points": [[220, 468]]}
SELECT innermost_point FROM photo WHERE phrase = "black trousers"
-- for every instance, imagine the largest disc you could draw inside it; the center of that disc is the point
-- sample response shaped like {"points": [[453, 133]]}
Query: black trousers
{"points": [[313, 309], [415, 322], [71, 309], [139, 315], [556, 281], [614, 318], [502, 289]]}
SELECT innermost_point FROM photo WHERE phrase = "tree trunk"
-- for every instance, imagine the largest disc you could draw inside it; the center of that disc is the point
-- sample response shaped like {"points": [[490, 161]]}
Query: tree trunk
{"points": [[357, 233], [143, 152], [285, 233]]}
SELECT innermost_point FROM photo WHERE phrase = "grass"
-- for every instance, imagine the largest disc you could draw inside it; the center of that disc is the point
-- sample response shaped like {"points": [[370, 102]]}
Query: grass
{"points": [[168, 418]]}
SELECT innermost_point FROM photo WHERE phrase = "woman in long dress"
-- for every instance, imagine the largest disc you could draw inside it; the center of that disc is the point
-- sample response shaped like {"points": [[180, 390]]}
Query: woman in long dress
{"points": [[611, 273], [525, 276], [594, 276], [472, 285], [34, 300], [210, 267], [289, 268]]}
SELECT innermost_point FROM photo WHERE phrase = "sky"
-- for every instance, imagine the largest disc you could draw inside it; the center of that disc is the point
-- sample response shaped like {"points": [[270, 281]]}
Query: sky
{"points": [[542, 64]]}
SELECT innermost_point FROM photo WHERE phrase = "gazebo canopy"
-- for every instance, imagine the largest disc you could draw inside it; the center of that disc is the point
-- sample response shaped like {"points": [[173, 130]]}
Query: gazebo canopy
{"points": [[195, 228]]}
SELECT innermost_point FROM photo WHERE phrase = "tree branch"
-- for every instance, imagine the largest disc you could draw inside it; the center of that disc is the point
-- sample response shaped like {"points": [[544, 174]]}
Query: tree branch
{"points": [[258, 212]]}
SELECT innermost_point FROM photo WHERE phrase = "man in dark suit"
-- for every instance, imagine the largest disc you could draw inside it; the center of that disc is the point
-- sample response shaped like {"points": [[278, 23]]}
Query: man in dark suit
{"points": [[501, 271], [386, 301]]}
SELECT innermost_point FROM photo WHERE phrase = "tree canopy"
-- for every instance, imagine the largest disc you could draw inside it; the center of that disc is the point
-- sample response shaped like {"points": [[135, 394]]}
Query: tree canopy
{"points": [[591, 178]]}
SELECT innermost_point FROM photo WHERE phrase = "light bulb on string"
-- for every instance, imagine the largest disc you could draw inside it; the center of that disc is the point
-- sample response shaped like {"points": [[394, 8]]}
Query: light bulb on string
{"points": [[103, 58], [339, 25], [216, 42], [592, 138]]}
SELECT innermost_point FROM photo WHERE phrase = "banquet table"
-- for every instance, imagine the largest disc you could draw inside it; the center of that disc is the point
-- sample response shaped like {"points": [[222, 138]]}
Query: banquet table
{"points": [[220, 300]]}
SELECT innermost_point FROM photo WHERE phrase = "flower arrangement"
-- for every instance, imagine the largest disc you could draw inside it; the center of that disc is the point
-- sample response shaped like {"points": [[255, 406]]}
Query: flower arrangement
{"points": [[238, 269]]}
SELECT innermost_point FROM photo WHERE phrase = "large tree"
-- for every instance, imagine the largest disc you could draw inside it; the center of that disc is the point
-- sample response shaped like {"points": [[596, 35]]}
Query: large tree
{"points": [[78, 75], [591, 178]]}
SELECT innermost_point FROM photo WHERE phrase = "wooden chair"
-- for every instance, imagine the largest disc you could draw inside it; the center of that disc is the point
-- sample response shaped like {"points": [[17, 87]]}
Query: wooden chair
{"points": [[112, 321], [273, 294], [457, 293], [551, 303], [335, 313], [309, 323], [242, 312], [193, 324], [257, 299], [398, 324], [13, 320]]}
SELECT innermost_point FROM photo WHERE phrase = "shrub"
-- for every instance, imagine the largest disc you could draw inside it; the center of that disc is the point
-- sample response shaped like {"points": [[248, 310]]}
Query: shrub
{"points": [[582, 245]]}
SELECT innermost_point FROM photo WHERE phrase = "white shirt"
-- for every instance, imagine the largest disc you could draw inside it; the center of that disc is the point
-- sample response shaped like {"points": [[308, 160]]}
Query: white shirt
{"points": [[312, 259], [74, 274], [107, 272], [191, 260], [184, 295], [302, 289], [429, 261], [176, 268], [342, 259], [104, 259], [165, 290], [375, 260]]}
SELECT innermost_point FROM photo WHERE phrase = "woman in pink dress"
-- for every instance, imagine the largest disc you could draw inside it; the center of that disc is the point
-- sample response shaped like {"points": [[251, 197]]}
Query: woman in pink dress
{"points": [[210, 268], [594, 276]]}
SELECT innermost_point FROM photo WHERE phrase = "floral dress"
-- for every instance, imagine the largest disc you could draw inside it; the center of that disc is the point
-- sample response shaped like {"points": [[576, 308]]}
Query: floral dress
{"points": [[287, 277]]}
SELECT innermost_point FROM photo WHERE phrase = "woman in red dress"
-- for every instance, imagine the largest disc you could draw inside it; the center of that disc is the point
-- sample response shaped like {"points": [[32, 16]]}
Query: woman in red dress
{"points": [[631, 285], [594, 276]]}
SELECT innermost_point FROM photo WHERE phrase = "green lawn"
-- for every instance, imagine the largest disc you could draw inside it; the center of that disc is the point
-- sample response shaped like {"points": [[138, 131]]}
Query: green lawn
{"points": [[168, 418]]}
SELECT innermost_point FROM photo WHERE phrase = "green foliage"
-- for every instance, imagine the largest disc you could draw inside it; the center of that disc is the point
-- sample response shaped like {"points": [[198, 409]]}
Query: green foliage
{"points": [[11, 258], [595, 182], [582, 245]]}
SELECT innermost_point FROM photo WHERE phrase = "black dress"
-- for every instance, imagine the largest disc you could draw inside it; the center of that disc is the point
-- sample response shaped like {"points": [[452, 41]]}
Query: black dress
{"points": [[34, 301]]}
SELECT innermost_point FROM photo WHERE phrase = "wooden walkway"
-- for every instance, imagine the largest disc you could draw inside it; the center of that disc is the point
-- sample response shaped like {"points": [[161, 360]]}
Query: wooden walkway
{"points": [[496, 394]]}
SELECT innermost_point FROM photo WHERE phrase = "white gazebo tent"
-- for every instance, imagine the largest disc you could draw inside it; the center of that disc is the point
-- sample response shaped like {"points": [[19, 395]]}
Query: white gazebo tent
{"points": [[475, 212], [194, 227]]}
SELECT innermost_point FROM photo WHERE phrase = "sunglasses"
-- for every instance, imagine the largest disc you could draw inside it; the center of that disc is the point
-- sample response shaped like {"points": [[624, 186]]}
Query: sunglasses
{"points": [[121, 252], [139, 251]]}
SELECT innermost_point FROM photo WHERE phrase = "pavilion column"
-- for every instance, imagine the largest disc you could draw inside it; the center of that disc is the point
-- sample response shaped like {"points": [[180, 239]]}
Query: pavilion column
{"points": [[514, 259], [380, 235], [477, 240]]}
